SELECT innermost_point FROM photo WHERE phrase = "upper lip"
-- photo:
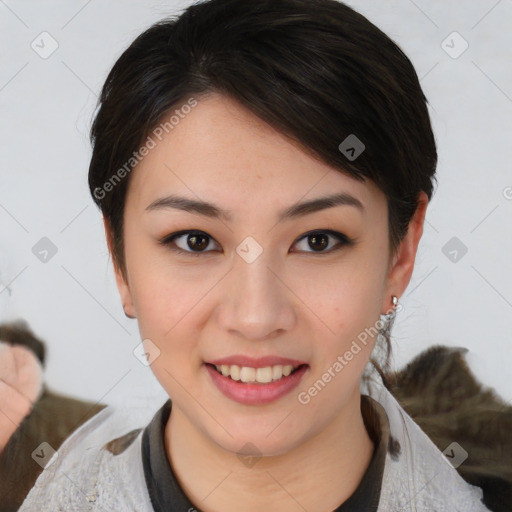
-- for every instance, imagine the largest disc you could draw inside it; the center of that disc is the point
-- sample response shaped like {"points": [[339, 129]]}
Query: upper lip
{"points": [[260, 362]]}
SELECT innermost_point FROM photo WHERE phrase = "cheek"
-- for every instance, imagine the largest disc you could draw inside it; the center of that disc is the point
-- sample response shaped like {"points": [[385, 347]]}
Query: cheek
{"points": [[342, 297], [165, 310], [344, 309], [165, 315], [162, 293], [169, 302]]}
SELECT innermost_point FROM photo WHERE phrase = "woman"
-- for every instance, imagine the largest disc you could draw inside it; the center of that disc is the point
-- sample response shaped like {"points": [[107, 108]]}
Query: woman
{"points": [[263, 169]]}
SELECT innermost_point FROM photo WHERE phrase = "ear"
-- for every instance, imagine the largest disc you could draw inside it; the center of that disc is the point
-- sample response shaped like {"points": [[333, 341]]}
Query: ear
{"points": [[122, 285], [403, 262]]}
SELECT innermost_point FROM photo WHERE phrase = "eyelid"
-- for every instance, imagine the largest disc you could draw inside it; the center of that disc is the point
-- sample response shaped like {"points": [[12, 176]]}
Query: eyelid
{"points": [[344, 241], [168, 240]]}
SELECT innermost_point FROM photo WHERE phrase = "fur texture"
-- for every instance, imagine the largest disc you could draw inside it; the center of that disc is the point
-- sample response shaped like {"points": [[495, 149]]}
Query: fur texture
{"points": [[439, 391]]}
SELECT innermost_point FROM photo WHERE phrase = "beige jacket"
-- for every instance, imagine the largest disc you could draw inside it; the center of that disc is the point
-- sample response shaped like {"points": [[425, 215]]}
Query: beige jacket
{"points": [[95, 470]]}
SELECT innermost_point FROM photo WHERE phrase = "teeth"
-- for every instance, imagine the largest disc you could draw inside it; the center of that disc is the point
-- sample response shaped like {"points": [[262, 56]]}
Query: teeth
{"points": [[277, 371], [247, 374], [260, 375], [264, 374]]}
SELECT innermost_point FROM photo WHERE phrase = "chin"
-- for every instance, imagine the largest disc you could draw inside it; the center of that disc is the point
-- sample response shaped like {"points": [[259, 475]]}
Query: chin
{"points": [[256, 443]]}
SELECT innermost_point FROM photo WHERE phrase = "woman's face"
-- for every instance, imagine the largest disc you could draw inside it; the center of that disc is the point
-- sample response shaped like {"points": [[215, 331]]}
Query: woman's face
{"points": [[253, 283]]}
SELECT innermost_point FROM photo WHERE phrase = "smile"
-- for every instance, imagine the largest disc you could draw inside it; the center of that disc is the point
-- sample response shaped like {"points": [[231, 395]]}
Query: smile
{"points": [[260, 375], [255, 386]]}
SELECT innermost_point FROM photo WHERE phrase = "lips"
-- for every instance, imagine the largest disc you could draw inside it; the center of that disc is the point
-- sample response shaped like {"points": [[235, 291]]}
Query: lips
{"points": [[256, 393]]}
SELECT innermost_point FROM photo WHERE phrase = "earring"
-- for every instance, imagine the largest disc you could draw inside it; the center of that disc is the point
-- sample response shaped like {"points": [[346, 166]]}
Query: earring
{"points": [[394, 301], [388, 318]]}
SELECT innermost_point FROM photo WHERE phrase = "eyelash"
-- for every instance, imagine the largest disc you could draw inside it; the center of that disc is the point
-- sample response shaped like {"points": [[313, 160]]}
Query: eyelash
{"points": [[344, 240]]}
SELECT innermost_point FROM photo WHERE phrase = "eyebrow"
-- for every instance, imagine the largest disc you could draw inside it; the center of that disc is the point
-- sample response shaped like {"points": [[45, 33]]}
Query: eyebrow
{"points": [[294, 211]]}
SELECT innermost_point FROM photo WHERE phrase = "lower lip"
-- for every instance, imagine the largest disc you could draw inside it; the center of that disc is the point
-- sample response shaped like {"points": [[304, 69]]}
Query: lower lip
{"points": [[256, 394]]}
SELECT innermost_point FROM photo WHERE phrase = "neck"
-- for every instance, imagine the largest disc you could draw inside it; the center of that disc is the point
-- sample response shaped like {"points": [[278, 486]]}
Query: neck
{"points": [[317, 475]]}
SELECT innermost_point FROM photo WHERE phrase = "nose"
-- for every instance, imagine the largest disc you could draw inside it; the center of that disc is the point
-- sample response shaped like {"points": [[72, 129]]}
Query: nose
{"points": [[256, 303]]}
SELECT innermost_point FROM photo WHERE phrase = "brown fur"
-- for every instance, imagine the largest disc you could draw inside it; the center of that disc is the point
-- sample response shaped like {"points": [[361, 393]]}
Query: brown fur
{"points": [[438, 390]]}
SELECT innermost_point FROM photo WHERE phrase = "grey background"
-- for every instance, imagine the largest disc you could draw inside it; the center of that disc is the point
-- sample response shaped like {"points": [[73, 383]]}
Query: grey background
{"points": [[71, 300]]}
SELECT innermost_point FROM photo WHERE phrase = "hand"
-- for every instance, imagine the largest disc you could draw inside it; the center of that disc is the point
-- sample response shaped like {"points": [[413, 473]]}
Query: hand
{"points": [[21, 381]]}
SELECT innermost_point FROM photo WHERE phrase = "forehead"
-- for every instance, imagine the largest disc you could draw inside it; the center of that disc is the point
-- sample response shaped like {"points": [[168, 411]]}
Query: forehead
{"points": [[221, 150]]}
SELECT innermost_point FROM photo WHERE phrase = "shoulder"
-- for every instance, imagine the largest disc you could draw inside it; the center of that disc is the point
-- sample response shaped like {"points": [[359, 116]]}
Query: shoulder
{"points": [[417, 476], [98, 467]]}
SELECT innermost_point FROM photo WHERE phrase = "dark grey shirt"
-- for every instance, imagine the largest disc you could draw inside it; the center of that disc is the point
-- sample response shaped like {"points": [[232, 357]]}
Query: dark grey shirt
{"points": [[166, 494]]}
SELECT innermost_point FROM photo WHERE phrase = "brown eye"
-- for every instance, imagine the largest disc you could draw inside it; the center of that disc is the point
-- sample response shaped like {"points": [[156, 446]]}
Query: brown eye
{"points": [[192, 242], [319, 240], [197, 241]]}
